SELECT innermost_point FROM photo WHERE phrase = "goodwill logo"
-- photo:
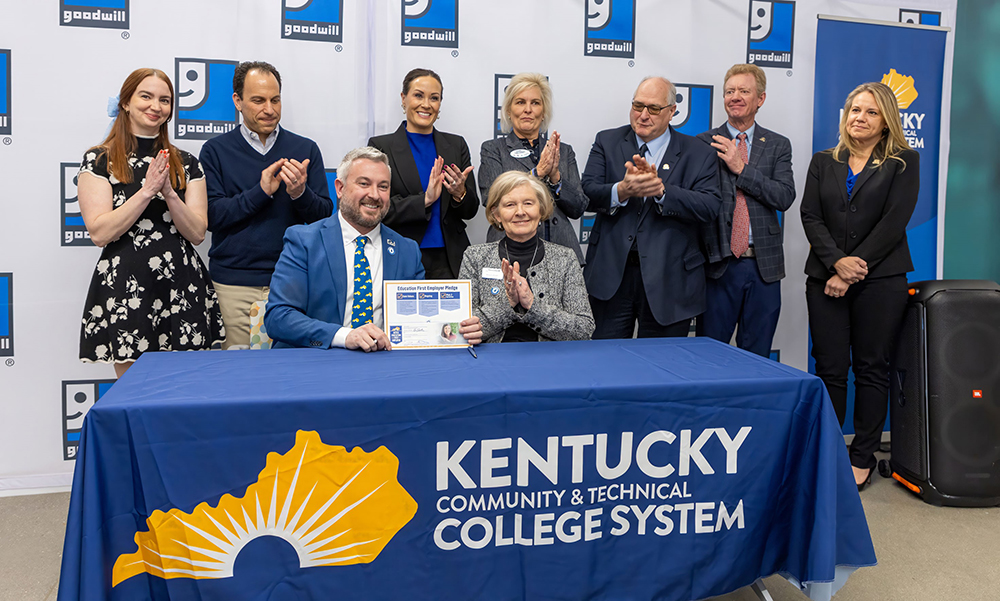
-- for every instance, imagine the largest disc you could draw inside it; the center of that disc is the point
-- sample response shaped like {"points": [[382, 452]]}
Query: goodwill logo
{"points": [[107, 14], [919, 17], [610, 28], [694, 108], [331, 177], [645, 493], [4, 92], [770, 33], [6, 314], [74, 231], [334, 507], [500, 83], [314, 20], [587, 226], [903, 87], [205, 106], [77, 399], [432, 23]]}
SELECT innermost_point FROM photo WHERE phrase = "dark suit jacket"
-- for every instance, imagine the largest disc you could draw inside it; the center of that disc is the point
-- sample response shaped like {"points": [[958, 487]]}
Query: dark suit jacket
{"points": [[407, 214], [768, 185], [305, 306], [494, 159], [671, 259], [870, 225]]}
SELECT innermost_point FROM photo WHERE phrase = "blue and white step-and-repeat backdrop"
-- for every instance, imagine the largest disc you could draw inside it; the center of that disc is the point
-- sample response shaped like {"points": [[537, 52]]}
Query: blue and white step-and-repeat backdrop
{"points": [[342, 63]]}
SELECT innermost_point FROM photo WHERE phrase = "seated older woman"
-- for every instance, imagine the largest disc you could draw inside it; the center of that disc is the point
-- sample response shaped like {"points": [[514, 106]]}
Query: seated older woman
{"points": [[524, 289]]}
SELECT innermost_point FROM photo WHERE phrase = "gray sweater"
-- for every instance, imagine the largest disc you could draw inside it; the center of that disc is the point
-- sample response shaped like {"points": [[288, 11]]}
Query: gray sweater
{"points": [[560, 310]]}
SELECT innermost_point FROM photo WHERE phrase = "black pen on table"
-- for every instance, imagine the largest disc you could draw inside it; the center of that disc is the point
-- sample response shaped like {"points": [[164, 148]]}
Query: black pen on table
{"points": [[472, 351]]}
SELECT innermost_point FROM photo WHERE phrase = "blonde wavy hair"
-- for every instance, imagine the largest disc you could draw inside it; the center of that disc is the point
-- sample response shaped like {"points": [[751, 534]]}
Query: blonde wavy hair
{"points": [[892, 142], [518, 84]]}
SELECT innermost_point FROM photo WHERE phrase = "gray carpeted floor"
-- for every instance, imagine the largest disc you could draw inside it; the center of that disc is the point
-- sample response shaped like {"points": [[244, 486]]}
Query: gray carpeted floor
{"points": [[924, 552]]}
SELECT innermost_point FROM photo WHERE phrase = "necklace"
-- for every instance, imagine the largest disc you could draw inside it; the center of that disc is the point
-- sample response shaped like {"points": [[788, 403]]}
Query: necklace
{"points": [[533, 254]]}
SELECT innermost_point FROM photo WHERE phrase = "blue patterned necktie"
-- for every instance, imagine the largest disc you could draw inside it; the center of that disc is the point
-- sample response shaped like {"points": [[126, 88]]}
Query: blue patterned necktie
{"points": [[361, 311]]}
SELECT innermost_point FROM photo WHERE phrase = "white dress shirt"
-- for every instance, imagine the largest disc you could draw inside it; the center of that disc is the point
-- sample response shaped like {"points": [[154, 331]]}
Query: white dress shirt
{"points": [[655, 149], [254, 140], [373, 252]]}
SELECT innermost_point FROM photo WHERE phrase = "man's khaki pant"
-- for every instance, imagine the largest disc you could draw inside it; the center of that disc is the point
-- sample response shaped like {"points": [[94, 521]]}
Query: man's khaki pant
{"points": [[235, 301]]}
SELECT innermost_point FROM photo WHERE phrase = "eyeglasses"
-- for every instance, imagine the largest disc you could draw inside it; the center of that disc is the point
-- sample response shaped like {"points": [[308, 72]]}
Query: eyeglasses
{"points": [[652, 108]]}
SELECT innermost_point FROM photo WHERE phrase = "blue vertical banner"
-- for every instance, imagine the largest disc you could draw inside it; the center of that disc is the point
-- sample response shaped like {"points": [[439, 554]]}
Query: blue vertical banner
{"points": [[910, 60]]}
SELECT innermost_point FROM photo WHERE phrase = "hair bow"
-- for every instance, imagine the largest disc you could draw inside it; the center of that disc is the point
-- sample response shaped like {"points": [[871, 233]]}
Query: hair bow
{"points": [[113, 102]]}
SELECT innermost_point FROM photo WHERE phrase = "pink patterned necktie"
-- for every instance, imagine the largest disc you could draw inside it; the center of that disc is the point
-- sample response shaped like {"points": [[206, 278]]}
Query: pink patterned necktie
{"points": [[741, 215]]}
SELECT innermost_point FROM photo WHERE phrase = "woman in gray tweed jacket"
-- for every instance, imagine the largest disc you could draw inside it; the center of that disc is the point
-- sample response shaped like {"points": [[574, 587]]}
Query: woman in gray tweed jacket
{"points": [[522, 288]]}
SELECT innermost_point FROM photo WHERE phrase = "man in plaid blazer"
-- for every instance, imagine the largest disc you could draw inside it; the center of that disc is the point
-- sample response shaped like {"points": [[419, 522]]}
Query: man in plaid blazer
{"points": [[744, 243]]}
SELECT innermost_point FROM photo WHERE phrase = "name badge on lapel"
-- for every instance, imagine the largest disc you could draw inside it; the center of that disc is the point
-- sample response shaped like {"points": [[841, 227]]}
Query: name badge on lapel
{"points": [[492, 273], [520, 153]]}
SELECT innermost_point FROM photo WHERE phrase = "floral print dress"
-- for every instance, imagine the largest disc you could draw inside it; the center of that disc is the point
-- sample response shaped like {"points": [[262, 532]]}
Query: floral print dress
{"points": [[151, 290]]}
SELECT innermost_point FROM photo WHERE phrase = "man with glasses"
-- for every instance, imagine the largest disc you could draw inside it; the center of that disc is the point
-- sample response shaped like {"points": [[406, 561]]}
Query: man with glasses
{"points": [[652, 188]]}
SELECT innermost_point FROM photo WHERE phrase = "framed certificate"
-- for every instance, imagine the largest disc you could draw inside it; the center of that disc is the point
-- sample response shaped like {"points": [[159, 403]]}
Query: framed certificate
{"points": [[426, 314]]}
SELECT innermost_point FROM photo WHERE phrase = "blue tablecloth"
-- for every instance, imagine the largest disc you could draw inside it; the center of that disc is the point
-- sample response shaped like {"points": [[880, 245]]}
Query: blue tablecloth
{"points": [[628, 469]]}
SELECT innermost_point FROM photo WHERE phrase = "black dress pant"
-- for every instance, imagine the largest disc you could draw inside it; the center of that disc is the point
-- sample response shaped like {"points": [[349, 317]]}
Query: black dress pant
{"points": [[617, 317], [857, 329]]}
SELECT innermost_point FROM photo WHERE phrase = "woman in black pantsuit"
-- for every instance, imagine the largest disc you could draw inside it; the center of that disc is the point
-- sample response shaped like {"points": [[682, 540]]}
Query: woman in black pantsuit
{"points": [[857, 201], [433, 190]]}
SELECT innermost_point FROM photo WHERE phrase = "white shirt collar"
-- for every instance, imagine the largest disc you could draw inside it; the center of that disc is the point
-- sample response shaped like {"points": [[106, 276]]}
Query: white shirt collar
{"points": [[254, 140], [350, 234]]}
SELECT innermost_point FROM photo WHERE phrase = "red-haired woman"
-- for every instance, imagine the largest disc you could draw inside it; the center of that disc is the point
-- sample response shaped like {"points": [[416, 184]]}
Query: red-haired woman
{"points": [[145, 203]]}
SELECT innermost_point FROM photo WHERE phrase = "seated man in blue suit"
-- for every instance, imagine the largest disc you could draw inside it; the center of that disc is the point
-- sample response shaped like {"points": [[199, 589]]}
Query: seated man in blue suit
{"points": [[314, 302], [652, 188]]}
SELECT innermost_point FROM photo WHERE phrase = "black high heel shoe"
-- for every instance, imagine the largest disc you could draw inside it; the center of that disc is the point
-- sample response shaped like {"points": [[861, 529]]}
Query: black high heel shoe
{"points": [[867, 481]]}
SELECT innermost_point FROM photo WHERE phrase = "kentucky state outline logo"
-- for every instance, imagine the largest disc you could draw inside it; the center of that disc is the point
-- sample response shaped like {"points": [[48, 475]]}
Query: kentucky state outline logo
{"points": [[314, 20], [609, 28], [902, 86], [334, 507], [770, 33], [107, 14]]}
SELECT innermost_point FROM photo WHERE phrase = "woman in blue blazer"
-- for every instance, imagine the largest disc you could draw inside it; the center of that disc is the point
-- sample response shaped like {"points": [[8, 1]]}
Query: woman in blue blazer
{"points": [[858, 199]]}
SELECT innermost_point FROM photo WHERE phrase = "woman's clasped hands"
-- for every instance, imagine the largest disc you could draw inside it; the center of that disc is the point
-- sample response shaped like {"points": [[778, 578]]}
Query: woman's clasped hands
{"points": [[518, 290], [157, 180]]}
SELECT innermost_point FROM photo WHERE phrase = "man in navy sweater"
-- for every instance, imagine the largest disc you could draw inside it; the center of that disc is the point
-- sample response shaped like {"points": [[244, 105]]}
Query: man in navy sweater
{"points": [[261, 180]]}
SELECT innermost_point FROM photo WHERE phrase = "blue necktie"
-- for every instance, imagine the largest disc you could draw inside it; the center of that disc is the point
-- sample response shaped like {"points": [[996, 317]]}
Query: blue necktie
{"points": [[361, 311]]}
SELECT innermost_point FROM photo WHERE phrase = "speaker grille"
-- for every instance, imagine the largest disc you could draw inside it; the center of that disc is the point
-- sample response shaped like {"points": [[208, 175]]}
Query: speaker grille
{"points": [[907, 408], [963, 356]]}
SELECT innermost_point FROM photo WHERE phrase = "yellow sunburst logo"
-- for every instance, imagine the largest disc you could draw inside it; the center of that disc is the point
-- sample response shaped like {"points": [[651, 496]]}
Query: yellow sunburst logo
{"points": [[333, 507], [902, 86]]}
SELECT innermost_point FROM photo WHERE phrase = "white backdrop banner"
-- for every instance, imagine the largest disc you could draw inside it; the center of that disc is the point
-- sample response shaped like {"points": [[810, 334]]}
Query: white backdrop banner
{"points": [[342, 63]]}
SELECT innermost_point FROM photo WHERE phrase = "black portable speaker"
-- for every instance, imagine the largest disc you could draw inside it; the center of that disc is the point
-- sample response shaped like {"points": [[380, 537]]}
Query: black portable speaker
{"points": [[945, 393]]}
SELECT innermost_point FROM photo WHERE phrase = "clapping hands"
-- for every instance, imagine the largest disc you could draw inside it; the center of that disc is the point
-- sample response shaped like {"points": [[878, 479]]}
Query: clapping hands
{"points": [[548, 161], [641, 179], [517, 287]]}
